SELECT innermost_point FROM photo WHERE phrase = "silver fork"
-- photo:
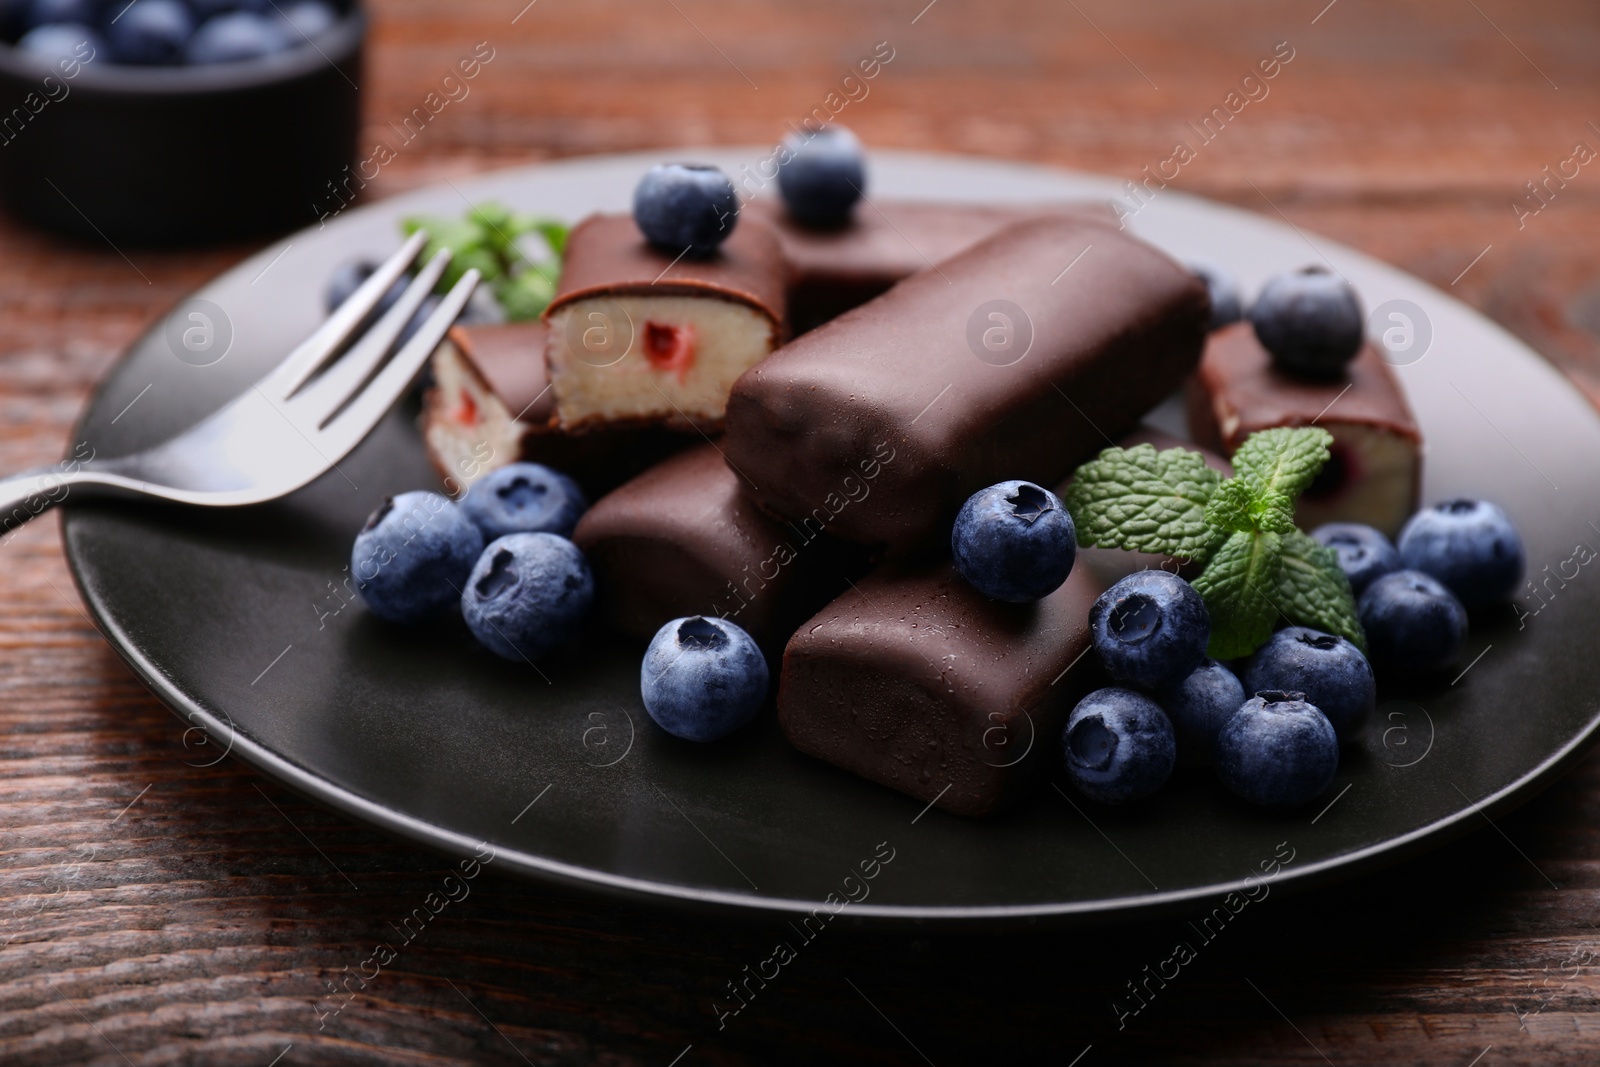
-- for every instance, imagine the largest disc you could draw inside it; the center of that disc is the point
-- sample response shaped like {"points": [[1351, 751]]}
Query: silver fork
{"points": [[287, 429]]}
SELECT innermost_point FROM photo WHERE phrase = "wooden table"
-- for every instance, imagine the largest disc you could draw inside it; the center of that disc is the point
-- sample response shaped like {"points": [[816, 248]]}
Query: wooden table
{"points": [[154, 912]]}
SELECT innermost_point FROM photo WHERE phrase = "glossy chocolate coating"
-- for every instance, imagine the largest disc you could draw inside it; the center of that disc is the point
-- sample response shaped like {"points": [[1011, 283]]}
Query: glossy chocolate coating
{"points": [[510, 357], [606, 255], [681, 539], [833, 270], [897, 383], [915, 680]]}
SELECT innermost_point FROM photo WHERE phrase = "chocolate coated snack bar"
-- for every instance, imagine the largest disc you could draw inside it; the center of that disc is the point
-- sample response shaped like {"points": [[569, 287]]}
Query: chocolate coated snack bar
{"points": [[915, 680], [490, 404], [637, 335], [1009, 360], [681, 539], [1375, 469]]}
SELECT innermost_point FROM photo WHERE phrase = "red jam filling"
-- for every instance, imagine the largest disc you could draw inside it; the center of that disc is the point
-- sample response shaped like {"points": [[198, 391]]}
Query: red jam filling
{"points": [[669, 348], [467, 412]]}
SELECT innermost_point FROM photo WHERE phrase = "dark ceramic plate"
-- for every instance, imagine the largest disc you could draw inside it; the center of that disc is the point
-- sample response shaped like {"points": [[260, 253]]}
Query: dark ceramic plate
{"points": [[232, 617]]}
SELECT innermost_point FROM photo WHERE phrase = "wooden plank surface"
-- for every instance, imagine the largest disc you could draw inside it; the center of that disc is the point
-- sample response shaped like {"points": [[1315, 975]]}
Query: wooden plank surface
{"points": [[154, 910]]}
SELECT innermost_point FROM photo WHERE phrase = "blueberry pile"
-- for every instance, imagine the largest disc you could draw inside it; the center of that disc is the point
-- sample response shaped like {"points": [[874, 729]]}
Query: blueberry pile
{"points": [[502, 555], [1273, 727], [163, 33]]}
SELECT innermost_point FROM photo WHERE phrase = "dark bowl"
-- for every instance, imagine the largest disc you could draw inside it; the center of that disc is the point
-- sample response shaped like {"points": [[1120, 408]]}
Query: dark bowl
{"points": [[182, 155]]}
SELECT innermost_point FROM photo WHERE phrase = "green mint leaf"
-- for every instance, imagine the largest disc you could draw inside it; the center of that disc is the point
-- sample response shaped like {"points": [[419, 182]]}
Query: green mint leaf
{"points": [[1237, 585], [1235, 508], [1281, 461], [524, 296], [551, 231], [1145, 501], [487, 239], [1313, 591], [466, 243], [1229, 507]]}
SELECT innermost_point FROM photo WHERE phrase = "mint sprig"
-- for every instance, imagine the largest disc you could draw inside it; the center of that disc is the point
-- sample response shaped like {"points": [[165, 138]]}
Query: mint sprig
{"points": [[1258, 567], [489, 238]]}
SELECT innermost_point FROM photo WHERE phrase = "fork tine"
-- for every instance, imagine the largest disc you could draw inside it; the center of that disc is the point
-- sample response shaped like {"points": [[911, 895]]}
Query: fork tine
{"points": [[328, 392], [344, 429], [311, 353]]}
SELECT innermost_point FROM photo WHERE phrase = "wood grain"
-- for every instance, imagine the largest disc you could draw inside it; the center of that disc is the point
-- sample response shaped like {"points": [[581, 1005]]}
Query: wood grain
{"points": [[154, 910]]}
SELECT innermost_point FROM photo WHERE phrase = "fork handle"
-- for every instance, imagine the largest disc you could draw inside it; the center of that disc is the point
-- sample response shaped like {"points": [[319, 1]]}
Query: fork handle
{"points": [[22, 496]]}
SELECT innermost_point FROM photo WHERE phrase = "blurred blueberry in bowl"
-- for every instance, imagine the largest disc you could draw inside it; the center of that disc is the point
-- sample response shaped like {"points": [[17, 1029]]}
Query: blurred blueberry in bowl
{"points": [[190, 121], [62, 42], [308, 19], [237, 36], [151, 33], [53, 12]]}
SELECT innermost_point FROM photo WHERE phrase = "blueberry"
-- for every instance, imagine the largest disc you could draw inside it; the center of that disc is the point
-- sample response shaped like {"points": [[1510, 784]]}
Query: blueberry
{"points": [[685, 208], [823, 176], [1150, 630], [1277, 751], [413, 556], [1364, 553], [57, 12], [63, 40], [527, 594], [205, 9], [1310, 321], [1119, 746], [236, 36], [1199, 706], [1412, 622], [1227, 305], [1469, 545], [307, 19], [1014, 541], [1330, 671], [151, 33], [524, 498], [702, 678]]}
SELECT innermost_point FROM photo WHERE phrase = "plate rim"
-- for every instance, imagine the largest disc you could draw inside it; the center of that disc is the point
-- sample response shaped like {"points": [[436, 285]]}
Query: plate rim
{"points": [[1130, 907]]}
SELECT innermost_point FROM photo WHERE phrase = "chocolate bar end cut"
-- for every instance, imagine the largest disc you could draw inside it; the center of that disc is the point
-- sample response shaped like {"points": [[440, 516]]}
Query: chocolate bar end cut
{"points": [[1013, 359], [916, 681], [640, 335], [1374, 473], [490, 404], [681, 539]]}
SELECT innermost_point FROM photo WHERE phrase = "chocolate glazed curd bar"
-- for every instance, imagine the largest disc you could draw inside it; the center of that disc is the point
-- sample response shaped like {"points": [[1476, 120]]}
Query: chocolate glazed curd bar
{"points": [[1084, 350], [1374, 472], [915, 680], [681, 539], [491, 404], [639, 335]]}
